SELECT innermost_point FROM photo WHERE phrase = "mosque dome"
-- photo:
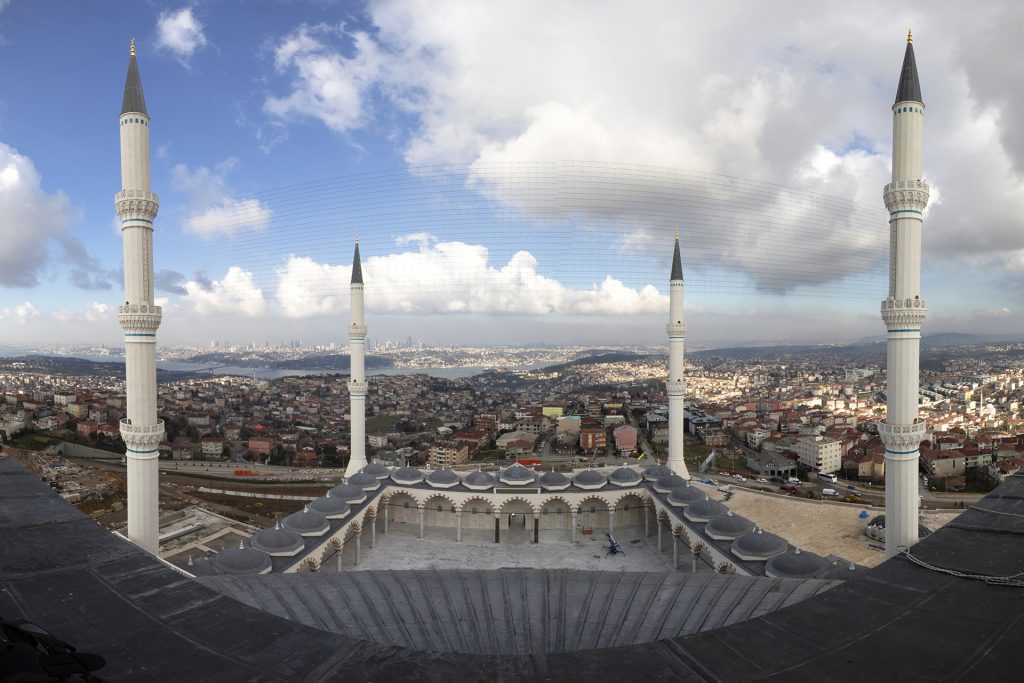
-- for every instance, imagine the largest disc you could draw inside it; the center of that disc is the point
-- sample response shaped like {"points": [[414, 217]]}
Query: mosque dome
{"points": [[277, 541], [478, 481], [517, 475], [796, 564], [366, 482], [727, 527], [306, 523], [667, 482], [554, 481], [350, 493], [654, 472], [376, 469], [443, 479], [330, 507], [684, 495], [758, 546], [242, 560], [589, 479], [625, 476], [407, 476], [704, 510]]}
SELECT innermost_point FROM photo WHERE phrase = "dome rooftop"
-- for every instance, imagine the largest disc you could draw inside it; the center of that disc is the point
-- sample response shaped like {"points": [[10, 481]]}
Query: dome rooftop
{"points": [[667, 482], [625, 476], [443, 479], [376, 469], [366, 482], [796, 564], [684, 495], [407, 475], [758, 546], [277, 541], [306, 523], [554, 481], [704, 510], [653, 472], [242, 560], [517, 475], [330, 507], [728, 527], [589, 479], [478, 480], [350, 493]]}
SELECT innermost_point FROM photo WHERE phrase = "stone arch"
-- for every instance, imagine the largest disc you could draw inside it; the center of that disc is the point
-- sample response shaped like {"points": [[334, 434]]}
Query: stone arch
{"points": [[519, 499], [403, 509], [593, 513], [439, 510], [556, 513], [477, 513], [629, 510]]}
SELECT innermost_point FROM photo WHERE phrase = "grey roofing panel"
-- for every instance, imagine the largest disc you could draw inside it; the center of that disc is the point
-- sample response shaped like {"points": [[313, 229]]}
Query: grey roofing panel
{"points": [[133, 100], [909, 89]]}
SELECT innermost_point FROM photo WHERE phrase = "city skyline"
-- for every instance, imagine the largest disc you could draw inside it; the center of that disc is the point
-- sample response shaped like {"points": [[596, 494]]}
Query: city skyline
{"points": [[398, 105]]}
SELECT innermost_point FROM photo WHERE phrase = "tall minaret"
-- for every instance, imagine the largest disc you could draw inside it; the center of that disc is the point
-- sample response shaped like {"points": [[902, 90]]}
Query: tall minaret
{"points": [[903, 312], [139, 318], [676, 385], [357, 378]]}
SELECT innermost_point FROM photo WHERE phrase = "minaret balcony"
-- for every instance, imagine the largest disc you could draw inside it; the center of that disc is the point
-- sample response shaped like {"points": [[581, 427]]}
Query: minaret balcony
{"points": [[676, 329], [142, 438], [906, 195], [904, 313], [137, 204], [357, 331], [675, 388], [139, 318], [357, 388], [902, 438]]}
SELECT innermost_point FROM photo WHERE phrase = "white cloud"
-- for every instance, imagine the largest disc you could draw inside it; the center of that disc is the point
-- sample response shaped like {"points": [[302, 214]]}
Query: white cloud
{"points": [[180, 32], [453, 277], [29, 219], [213, 210], [94, 311], [21, 313], [236, 294]]}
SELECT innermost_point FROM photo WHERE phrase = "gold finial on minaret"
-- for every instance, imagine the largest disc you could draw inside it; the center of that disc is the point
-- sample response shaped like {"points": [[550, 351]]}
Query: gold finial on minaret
{"points": [[132, 48], [677, 234], [357, 238], [910, 36]]}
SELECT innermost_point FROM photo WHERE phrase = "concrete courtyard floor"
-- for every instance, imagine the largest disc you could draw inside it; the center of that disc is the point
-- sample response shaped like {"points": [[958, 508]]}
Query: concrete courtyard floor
{"points": [[402, 549], [820, 527]]}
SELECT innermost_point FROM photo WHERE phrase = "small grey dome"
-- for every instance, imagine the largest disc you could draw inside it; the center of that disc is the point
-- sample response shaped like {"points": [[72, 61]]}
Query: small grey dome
{"points": [[407, 475], [277, 541], [589, 479], [478, 480], [242, 560], [704, 510], [517, 475], [758, 546], [625, 476], [728, 527], [366, 482], [554, 481], [684, 495], [330, 507], [350, 493], [306, 523], [796, 564], [376, 469], [443, 479], [667, 482], [655, 472]]}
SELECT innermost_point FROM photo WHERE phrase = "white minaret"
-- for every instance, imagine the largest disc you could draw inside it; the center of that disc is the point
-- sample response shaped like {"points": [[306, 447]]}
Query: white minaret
{"points": [[357, 378], [676, 385], [903, 312], [139, 318]]}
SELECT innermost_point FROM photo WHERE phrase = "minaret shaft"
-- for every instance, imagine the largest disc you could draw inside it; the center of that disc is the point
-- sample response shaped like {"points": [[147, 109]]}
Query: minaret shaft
{"points": [[676, 385], [903, 312], [357, 386], [137, 207]]}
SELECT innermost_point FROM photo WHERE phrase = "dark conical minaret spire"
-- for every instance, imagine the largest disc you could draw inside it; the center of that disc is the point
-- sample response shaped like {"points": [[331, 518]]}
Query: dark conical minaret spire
{"points": [[677, 262], [357, 267], [133, 100], [909, 89]]}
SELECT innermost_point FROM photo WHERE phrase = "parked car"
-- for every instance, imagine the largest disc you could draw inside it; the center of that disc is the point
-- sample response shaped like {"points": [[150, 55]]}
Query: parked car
{"points": [[739, 477], [794, 481], [762, 480]]}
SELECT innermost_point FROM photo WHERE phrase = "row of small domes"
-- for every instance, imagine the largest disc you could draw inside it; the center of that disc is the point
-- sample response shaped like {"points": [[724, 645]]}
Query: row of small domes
{"points": [[369, 478]]}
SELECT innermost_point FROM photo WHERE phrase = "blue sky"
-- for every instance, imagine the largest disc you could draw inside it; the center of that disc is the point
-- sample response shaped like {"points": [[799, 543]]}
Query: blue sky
{"points": [[507, 166]]}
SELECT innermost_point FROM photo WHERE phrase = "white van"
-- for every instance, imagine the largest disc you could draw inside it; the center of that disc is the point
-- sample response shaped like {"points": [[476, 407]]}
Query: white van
{"points": [[829, 492], [793, 480], [831, 478]]}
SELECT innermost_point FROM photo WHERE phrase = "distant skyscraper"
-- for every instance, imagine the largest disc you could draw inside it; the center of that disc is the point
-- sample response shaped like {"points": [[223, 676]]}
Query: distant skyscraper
{"points": [[904, 311], [139, 318], [357, 374], [676, 386]]}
